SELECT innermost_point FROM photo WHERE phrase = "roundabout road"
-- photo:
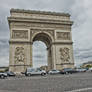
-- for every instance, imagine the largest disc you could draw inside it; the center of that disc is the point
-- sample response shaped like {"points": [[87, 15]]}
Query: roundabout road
{"points": [[79, 82]]}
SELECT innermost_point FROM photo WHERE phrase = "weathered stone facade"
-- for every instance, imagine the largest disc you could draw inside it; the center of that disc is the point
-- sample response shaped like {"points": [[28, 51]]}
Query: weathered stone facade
{"points": [[54, 29]]}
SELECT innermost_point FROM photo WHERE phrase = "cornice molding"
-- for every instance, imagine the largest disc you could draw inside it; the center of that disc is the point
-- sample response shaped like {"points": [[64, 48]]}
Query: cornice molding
{"points": [[39, 12], [66, 64], [18, 65], [20, 42], [62, 42]]}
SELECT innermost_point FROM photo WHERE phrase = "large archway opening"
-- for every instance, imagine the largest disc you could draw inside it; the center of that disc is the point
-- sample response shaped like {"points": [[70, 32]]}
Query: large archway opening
{"points": [[39, 54], [42, 53]]}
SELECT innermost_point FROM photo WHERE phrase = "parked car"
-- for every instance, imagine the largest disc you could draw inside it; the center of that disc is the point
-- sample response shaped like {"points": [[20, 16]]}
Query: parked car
{"points": [[3, 75], [68, 71], [90, 69], [10, 73], [81, 69], [54, 71], [34, 71]]}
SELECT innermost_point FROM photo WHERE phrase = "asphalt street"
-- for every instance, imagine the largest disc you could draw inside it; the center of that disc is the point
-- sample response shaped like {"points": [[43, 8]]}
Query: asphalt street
{"points": [[79, 82]]}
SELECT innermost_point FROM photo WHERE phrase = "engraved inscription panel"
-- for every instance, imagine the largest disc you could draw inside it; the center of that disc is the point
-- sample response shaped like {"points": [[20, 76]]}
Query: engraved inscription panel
{"points": [[20, 34], [63, 35]]}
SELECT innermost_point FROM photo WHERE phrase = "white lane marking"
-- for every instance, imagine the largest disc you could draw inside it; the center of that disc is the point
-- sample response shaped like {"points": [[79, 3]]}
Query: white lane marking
{"points": [[6, 91], [79, 90]]}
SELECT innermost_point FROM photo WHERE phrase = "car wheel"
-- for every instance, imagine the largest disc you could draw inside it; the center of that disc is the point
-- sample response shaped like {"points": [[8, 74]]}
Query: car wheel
{"points": [[29, 74], [43, 74], [66, 73], [51, 73], [70, 73], [2, 76]]}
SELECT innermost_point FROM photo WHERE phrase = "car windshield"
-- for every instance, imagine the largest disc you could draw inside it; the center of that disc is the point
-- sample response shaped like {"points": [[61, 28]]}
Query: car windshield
{"points": [[53, 70], [67, 69], [38, 69], [30, 70]]}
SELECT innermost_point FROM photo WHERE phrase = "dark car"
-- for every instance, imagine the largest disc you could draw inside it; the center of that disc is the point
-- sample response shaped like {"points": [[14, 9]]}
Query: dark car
{"points": [[68, 71], [10, 73]]}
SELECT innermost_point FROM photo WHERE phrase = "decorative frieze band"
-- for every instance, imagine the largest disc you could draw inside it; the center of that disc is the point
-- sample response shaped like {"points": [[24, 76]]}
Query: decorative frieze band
{"points": [[51, 32], [18, 65]]}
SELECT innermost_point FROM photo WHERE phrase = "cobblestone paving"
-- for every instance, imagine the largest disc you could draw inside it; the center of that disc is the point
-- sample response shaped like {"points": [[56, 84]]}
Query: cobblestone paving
{"points": [[48, 83]]}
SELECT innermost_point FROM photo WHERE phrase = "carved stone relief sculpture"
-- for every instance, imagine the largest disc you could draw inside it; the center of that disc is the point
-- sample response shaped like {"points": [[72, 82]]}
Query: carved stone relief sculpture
{"points": [[64, 54], [20, 34], [51, 32], [19, 55], [63, 35]]}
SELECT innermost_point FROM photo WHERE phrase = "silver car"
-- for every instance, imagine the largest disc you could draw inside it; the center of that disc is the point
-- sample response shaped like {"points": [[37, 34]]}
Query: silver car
{"points": [[81, 70], [54, 71], [34, 71]]}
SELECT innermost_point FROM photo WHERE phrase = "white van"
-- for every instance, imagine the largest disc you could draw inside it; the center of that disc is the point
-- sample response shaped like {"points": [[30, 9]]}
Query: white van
{"points": [[34, 71]]}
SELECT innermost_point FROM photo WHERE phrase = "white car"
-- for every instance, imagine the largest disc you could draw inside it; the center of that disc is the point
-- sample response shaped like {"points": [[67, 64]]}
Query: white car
{"points": [[90, 69], [54, 71], [34, 71], [81, 70], [3, 75]]}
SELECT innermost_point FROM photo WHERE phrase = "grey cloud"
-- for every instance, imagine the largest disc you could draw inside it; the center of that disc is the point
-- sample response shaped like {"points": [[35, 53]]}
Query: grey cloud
{"points": [[4, 52], [39, 56], [4, 48], [39, 64], [3, 41], [82, 55]]}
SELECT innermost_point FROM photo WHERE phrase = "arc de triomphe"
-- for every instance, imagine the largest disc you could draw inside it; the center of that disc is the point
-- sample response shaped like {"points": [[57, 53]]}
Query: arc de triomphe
{"points": [[54, 29]]}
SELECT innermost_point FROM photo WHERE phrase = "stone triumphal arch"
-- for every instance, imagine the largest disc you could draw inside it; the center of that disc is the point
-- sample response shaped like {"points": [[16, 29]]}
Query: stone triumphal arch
{"points": [[54, 29]]}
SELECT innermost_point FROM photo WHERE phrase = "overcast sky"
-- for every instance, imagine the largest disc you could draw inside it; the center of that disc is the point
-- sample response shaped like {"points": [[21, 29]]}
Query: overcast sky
{"points": [[81, 14]]}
